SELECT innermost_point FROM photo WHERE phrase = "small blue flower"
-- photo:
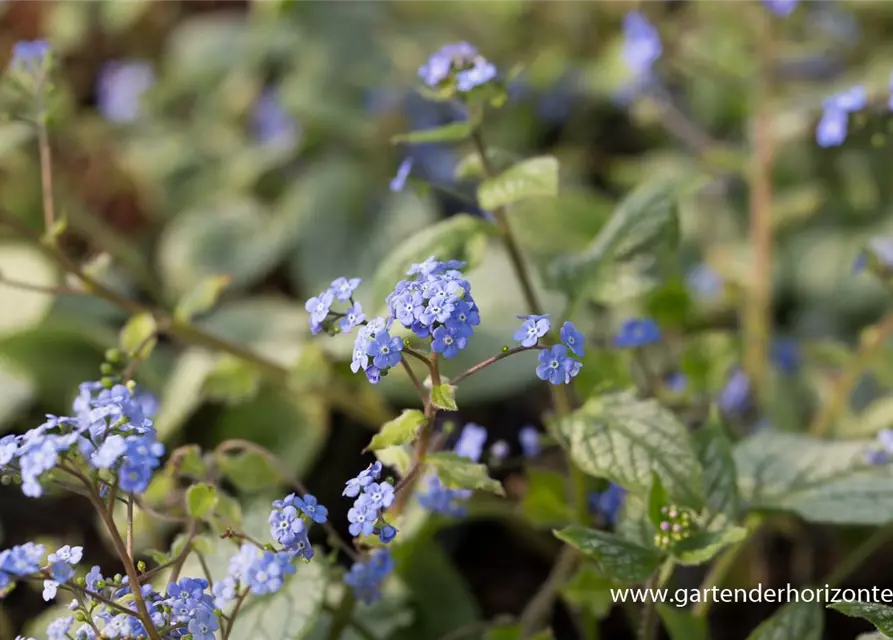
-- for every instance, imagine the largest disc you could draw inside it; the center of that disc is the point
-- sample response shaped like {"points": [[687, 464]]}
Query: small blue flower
{"points": [[482, 72], [378, 496], [271, 124], [447, 342], [832, 128], [704, 282], [676, 382], [387, 533], [532, 329], [366, 578], [398, 183], [572, 338], [285, 525], [786, 355], [343, 288], [735, 397], [353, 317], [499, 450], [636, 333], [120, 90], [58, 629], [781, 8], [385, 350], [641, 46], [607, 503], [471, 441], [29, 54], [319, 307], [437, 69], [312, 508], [362, 520], [529, 438], [555, 366], [204, 625]]}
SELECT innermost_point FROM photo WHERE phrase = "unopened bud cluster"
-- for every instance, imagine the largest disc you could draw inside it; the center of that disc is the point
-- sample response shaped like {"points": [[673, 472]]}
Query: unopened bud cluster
{"points": [[676, 525]]}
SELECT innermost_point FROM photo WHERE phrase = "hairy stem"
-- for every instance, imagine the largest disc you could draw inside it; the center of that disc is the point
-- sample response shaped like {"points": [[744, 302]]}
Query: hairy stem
{"points": [[232, 617], [486, 363]]}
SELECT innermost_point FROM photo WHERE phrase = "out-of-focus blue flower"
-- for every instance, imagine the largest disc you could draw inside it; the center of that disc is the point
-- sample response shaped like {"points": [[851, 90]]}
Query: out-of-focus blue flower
{"points": [[781, 7], [832, 128], [641, 45], [439, 499], [29, 55], [637, 332], [471, 441], [462, 59], [499, 450], [786, 355], [735, 398], [366, 578], [882, 451], [120, 89], [403, 171], [607, 503], [529, 438], [271, 124], [704, 282], [676, 382]]}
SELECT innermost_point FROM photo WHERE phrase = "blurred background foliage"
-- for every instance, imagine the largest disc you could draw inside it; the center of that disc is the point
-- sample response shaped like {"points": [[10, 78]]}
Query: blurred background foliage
{"points": [[253, 140]]}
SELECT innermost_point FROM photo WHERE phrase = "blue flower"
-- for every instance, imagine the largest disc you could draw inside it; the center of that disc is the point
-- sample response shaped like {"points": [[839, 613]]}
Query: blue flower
{"points": [[285, 525], [471, 441], [636, 333], [529, 438], [385, 350], [399, 181], [704, 282], [58, 629], [447, 342], [641, 46], [319, 307], [572, 338], [365, 477], [786, 355], [316, 511], [353, 317], [203, 625], [499, 450], [472, 70], [29, 54], [120, 89], [532, 329], [366, 578], [555, 366], [379, 496], [438, 499], [782, 8], [224, 591], [832, 128], [271, 124], [343, 288], [387, 533], [607, 504], [362, 520], [735, 397], [267, 571], [676, 382]]}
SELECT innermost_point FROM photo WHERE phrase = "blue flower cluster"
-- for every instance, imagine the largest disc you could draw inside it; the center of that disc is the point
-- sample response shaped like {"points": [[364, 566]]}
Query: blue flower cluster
{"points": [[29, 55], [555, 364], [641, 45], [111, 430], [459, 62], [290, 520], [366, 517], [736, 396], [320, 307], [18, 562], [436, 303], [832, 128], [882, 452], [366, 577]]}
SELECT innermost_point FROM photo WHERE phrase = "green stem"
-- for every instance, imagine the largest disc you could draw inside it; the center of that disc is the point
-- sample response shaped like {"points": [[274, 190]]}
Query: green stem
{"points": [[46, 174], [723, 565], [341, 617], [486, 363], [649, 614]]}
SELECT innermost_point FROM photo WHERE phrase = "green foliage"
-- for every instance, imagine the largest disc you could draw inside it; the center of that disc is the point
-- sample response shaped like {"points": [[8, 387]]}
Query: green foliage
{"points": [[714, 451], [202, 298], [443, 396], [456, 472], [881, 616], [455, 132], [626, 439], [138, 337], [531, 178], [615, 558], [794, 621], [682, 625], [201, 499], [232, 381], [401, 430], [819, 480], [701, 546], [249, 471], [545, 500]]}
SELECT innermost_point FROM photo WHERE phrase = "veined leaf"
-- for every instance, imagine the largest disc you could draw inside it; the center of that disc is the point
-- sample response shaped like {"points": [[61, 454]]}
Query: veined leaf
{"points": [[795, 621], [881, 616], [457, 472], [401, 430], [532, 178], [614, 557]]}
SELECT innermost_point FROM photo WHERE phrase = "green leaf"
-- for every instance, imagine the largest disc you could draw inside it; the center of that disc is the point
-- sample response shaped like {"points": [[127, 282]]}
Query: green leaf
{"points": [[545, 500], [456, 472], [201, 499], [454, 132], [623, 438], [590, 589], [249, 471], [227, 513], [187, 461], [795, 621], [139, 335], [881, 616], [23, 309], [471, 168], [14, 134], [819, 480], [682, 625], [118, 16], [614, 557], [182, 393], [232, 381], [460, 237], [203, 296], [646, 214], [443, 396], [720, 477], [703, 545], [401, 430], [536, 177], [514, 632]]}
